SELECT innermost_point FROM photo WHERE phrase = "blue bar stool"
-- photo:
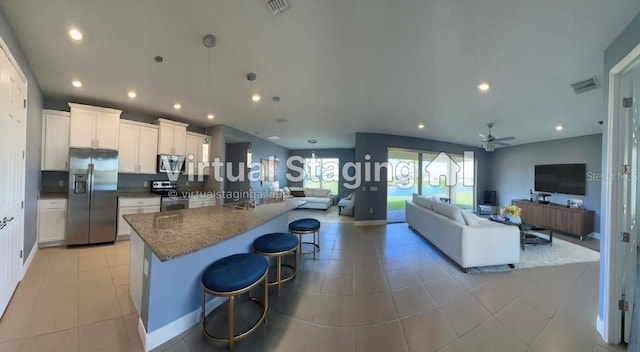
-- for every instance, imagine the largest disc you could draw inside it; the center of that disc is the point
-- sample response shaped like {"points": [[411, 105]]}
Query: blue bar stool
{"points": [[305, 226], [278, 245], [232, 276]]}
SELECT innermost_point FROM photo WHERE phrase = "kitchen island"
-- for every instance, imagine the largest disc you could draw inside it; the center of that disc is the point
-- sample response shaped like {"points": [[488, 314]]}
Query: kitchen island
{"points": [[170, 250]]}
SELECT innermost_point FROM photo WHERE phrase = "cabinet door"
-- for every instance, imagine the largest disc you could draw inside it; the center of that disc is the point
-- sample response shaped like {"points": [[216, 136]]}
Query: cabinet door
{"points": [[209, 203], [51, 225], [123, 227], [56, 143], [195, 203], [165, 139], [179, 140], [150, 209], [82, 129], [128, 149], [107, 128], [148, 150], [191, 149]]}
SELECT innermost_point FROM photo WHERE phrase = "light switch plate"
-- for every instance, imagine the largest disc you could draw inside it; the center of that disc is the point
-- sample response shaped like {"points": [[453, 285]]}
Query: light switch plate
{"points": [[373, 188], [146, 183], [61, 183]]}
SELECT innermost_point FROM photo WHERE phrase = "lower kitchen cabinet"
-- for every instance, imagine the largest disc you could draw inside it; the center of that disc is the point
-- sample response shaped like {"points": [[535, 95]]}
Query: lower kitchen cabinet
{"points": [[134, 205], [52, 220], [199, 202]]}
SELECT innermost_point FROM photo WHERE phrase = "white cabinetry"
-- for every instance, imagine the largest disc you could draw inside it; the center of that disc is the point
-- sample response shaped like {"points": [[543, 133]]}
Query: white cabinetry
{"points": [[172, 137], [134, 205], [137, 153], [55, 140], [52, 219], [198, 150], [93, 127]]}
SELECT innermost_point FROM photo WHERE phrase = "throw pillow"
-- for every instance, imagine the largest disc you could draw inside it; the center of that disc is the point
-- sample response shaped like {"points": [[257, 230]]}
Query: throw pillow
{"points": [[469, 218], [350, 196], [297, 193], [424, 202], [450, 211]]}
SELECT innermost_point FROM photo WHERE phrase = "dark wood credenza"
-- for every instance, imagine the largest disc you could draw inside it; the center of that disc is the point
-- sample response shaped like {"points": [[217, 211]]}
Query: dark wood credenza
{"points": [[557, 217]]}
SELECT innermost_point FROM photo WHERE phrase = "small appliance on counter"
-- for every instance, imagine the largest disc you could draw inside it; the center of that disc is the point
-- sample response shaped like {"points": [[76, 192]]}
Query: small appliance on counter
{"points": [[170, 199], [92, 196]]}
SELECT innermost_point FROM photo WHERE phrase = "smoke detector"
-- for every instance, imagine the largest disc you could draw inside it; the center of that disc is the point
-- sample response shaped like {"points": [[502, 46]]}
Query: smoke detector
{"points": [[278, 6], [585, 85]]}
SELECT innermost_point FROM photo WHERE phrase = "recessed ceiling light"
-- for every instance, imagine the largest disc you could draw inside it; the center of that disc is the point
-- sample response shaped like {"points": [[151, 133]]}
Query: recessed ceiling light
{"points": [[75, 34], [77, 84], [210, 116], [312, 141], [421, 125], [256, 97], [132, 94], [484, 86], [273, 137], [177, 106], [559, 128]]}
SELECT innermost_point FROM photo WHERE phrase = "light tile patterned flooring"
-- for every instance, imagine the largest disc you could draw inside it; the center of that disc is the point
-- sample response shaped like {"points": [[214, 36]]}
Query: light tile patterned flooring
{"points": [[379, 288]]}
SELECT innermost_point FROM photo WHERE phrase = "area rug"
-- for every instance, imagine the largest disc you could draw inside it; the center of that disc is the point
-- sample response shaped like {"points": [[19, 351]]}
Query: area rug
{"points": [[562, 252]]}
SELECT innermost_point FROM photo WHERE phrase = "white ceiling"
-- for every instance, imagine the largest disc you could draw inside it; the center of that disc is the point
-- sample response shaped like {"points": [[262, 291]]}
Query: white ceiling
{"points": [[340, 66]]}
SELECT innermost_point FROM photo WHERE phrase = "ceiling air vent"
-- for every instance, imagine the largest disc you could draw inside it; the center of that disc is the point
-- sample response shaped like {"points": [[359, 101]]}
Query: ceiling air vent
{"points": [[278, 6], [585, 85]]}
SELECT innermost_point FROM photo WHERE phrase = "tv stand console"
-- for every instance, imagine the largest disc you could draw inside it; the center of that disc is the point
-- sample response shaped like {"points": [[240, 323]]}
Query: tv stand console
{"points": [[557, 217]]}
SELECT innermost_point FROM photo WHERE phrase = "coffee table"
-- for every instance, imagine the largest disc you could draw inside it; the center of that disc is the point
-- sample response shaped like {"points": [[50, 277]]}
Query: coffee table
{"points": [[525, 236]]}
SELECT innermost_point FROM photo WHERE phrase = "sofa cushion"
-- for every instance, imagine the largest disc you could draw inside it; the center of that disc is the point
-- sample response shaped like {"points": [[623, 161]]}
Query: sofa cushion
{"points": [[469, 218], [424, 202], [451, 211], [317, 192]]}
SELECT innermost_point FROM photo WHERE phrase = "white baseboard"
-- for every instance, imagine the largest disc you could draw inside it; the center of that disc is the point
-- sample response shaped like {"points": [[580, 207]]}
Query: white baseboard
{"points": [[370, 222], [595, 235], [175, 328], [27, 263], [123, 237]]}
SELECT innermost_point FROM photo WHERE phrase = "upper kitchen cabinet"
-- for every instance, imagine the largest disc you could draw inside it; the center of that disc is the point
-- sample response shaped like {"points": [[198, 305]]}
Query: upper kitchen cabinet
{"points": [[55, 140], [172, 137], [137, 152], [93, 127], [197, 146]]}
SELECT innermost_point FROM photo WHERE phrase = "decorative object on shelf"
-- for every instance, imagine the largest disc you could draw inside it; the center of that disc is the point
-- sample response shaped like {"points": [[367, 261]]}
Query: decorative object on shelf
{"points": [[575, 203]]}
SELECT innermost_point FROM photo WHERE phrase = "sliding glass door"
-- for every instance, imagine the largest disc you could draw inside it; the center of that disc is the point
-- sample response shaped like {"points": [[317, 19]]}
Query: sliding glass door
{"points": [[445, 176]]}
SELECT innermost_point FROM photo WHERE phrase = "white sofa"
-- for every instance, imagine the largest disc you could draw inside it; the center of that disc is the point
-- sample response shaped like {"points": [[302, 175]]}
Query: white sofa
{"points": [[467, 239], [316, 198]]}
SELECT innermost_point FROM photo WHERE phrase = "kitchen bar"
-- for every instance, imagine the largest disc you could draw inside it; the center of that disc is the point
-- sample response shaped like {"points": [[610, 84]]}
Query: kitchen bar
{"points": [[170, 250]]}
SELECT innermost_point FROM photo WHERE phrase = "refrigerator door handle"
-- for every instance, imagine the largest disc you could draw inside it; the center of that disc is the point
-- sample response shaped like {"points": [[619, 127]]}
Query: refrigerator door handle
{"points": [[90, 186]]}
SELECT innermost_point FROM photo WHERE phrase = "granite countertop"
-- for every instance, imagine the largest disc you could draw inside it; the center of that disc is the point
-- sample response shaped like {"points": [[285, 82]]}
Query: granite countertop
{"points": [[172, 234], [53, 195]]}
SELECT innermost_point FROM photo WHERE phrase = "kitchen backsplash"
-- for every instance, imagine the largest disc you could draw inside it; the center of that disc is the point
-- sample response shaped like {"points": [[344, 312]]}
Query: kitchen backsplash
{"points": [[58, 181]]}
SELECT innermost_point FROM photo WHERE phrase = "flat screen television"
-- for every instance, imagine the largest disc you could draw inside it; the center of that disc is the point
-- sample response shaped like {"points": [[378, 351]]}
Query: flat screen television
{"points": [[561, 178]]}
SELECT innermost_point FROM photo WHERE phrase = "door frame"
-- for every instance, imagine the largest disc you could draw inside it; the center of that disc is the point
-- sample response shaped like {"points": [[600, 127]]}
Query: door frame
{"points": [[609, 325]]}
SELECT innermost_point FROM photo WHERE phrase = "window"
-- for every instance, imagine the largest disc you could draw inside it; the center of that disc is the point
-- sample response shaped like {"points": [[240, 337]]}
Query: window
{"points": [[449, 176], [322, 173]]}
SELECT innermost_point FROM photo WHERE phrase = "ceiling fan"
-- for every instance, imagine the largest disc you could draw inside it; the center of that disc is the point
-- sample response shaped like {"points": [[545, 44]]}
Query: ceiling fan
{"points": [[489, 142]]}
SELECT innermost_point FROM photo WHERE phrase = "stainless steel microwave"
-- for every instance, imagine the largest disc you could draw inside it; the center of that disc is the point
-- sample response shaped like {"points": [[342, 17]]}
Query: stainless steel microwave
{"points": [[171, 163]]}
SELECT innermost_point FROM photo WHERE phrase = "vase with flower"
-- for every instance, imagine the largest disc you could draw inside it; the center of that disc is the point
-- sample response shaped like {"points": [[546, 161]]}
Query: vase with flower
{"points": [[511, 213]]}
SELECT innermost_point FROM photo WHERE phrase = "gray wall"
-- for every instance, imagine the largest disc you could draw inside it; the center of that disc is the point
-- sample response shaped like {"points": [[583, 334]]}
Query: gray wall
{"points": [[616, 51], [34, 137], [376, 145], [513, 169], [345, 156], [236, 153]]}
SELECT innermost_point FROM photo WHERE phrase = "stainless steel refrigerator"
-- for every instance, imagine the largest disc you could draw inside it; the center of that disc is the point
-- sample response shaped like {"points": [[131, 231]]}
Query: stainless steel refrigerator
{"points": [[93, 196]]}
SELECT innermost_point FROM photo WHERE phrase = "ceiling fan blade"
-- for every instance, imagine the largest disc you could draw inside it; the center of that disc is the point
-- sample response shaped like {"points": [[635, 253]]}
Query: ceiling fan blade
{"points": [[505, 138], [482, 136], [503, 144]]}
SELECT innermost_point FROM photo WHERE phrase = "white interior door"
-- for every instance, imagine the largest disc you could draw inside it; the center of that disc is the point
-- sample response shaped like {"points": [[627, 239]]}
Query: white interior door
{"points": [[13, 90], [628, 132]]}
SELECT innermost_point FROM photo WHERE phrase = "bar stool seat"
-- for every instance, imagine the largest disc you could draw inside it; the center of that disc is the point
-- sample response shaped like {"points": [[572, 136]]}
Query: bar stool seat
{"points": [[305, 226], [229, 277], [278, 245]]}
